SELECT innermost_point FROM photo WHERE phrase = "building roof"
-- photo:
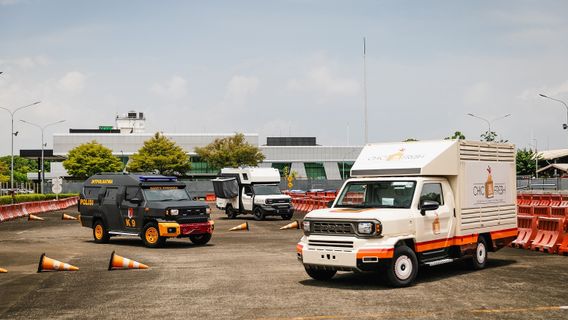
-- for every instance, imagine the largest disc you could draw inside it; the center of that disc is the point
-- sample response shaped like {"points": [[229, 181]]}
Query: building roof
{"points": [[552, 154], [559, 166]]}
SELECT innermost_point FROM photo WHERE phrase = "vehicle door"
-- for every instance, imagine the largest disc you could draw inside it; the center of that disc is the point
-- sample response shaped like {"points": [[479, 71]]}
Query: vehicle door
{"points": [[247, 198], [110, 208], [436, 224], [131, 209]]}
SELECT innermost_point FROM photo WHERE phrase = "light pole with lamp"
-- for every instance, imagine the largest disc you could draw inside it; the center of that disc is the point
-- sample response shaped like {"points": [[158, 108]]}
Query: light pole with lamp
{"points": [[13, 134], [42, 128], [565, 125], [489, 122]]}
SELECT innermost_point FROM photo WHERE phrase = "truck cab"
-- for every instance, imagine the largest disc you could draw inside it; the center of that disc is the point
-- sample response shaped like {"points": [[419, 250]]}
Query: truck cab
{"points": [[251, 190], [415, 204], [152, 207]]}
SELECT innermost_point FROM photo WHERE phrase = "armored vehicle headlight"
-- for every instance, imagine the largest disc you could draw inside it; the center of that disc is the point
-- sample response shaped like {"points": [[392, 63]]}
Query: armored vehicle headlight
{"points": [[306, 225], [174, 212], [365, 227]]}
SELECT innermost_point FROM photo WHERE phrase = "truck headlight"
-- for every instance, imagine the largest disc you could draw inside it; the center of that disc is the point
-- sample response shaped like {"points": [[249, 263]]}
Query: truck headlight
{"points": [[365, 227], [306, 225], [174, 212], [208, 210]]}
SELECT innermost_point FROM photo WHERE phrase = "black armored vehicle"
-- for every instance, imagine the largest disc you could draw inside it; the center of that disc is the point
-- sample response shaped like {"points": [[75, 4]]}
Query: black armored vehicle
{"points": [[152, 207]]}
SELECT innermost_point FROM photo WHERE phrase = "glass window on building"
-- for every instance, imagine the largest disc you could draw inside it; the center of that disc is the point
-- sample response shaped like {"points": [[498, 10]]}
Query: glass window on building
{"points": [[281, 166], [315, 170], [345, 169], [200, 166]]}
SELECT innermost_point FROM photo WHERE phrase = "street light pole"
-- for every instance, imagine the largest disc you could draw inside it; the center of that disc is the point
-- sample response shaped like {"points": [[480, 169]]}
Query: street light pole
{"points": [[12, 134], [564, 126], [42, 146], [489, 122]]}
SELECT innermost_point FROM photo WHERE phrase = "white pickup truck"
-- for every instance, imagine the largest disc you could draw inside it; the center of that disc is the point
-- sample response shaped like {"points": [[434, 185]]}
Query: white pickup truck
{"points": [[412, 204], [252, 190]]}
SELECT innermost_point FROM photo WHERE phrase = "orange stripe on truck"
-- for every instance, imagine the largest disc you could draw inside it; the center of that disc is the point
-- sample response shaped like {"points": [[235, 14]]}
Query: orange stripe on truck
{"points": [[505, 234], [462, 240], [379, 253]]}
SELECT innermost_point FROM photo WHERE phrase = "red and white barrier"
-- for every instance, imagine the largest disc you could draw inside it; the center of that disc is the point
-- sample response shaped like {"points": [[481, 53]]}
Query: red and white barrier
{"points": [[24, 209]]}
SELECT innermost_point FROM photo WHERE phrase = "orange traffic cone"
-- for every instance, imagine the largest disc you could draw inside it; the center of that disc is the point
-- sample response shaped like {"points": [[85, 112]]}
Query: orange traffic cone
{"points": [[67, 217], [46, 263], [118, 262], [32, 217], [244, 226], [3, 270], [293, 225]]}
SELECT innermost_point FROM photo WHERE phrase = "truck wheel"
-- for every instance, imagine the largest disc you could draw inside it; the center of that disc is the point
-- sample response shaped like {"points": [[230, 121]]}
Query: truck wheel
{"points": [[200, 239], [151, 236], [230, 212], [404, 267], [286, 216], [100, 233], [258, 214], [480, 258], [321, 275]]}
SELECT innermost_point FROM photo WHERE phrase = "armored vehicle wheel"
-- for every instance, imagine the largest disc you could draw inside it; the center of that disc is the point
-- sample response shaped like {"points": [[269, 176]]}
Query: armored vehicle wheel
{"points": [[200, 239], [258, 214], [151, 236], [286, 216], [100, 233], [480, 257], [230, 212], [404, 267], [322, 275]]}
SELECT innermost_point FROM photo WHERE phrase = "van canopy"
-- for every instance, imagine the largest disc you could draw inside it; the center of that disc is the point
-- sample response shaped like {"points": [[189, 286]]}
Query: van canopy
{"points": [[225, 188], [408, 158]]}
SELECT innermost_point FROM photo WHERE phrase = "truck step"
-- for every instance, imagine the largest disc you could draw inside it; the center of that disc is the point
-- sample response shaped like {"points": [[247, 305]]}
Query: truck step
{"points": [[439, 262], [118, 233]]}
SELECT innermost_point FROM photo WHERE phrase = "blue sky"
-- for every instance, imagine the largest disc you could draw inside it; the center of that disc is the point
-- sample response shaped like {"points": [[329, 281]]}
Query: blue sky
{"points": [[288, 67]]}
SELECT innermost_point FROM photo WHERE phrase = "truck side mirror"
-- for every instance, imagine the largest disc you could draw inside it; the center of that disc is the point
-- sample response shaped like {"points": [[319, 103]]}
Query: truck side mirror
{"points": [[136, 200], [329, 203], [428, 205]]}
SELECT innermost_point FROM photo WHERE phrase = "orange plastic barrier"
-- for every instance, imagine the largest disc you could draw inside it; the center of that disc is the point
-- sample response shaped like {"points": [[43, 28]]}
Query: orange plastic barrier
{"points": [[543, 206], [527, 231], [13, 211], [550, 232]]}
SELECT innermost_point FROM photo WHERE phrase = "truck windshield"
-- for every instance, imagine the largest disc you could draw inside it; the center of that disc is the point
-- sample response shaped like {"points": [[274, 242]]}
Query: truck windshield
{"points": [[165, 194], [377, 194], [265, 189]]}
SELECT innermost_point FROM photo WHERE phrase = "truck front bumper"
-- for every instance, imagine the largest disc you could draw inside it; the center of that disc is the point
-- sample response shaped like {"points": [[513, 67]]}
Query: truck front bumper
{"points": [[188, 229], [362, 257], [269, 210]]}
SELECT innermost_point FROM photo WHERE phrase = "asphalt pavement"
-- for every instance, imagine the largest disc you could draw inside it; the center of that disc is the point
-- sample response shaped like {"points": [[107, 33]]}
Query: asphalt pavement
{"points": [[254, 275]]}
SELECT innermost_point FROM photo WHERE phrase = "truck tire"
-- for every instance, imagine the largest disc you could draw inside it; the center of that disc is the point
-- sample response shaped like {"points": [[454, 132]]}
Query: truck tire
{"points": [[479, 258], [321, 275], [230, 212], [258, 214], [200, 239], [151, 236], [100, 232], [403, 268]]}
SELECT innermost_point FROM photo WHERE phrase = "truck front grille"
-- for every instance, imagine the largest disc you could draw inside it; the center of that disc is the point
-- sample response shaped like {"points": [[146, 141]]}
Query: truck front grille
{"points": [[332, 228], [330, 243], [192, 211]]}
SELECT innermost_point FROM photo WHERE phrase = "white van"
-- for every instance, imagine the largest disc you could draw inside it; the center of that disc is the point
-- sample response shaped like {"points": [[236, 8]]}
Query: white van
{"points": [[252, 190], [412, 204]]}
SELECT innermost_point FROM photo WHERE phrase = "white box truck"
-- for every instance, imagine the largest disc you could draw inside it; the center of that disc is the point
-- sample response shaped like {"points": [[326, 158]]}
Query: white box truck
{"points": [[410, 204], [252, 190]]}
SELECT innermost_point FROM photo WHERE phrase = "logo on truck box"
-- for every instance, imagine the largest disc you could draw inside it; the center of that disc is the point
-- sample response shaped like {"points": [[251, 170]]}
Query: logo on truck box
{"points": [[487, 183], [399, 155]]}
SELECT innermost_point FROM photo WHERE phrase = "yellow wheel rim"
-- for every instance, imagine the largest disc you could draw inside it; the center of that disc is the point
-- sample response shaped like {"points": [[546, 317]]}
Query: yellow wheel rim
{"points": [[99, 232], [152, 235]]}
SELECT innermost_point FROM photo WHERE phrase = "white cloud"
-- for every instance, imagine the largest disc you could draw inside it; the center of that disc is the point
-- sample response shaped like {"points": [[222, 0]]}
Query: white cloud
{"points": [[322, 82], [240, 88], [73, 82], [25, 62], [175, 88]]}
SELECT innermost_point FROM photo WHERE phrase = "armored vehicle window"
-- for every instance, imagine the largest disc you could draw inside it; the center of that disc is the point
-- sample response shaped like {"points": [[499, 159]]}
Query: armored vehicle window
{"points": [[432, 192], [133, 192], [91, 192], [166, 194], [111, 194]]}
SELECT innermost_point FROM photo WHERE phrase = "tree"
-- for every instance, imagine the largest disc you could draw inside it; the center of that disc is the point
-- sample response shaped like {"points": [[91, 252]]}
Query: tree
{"points": [[491, 136], [526, 163], [458, 135], [162, 155], [91, 158], [21, 167], [410, 140], [230, 152], [4, 172]]}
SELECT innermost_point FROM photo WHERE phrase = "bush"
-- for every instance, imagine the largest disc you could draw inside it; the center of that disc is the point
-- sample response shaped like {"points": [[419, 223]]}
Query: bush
{"points": [[34, 197]]}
